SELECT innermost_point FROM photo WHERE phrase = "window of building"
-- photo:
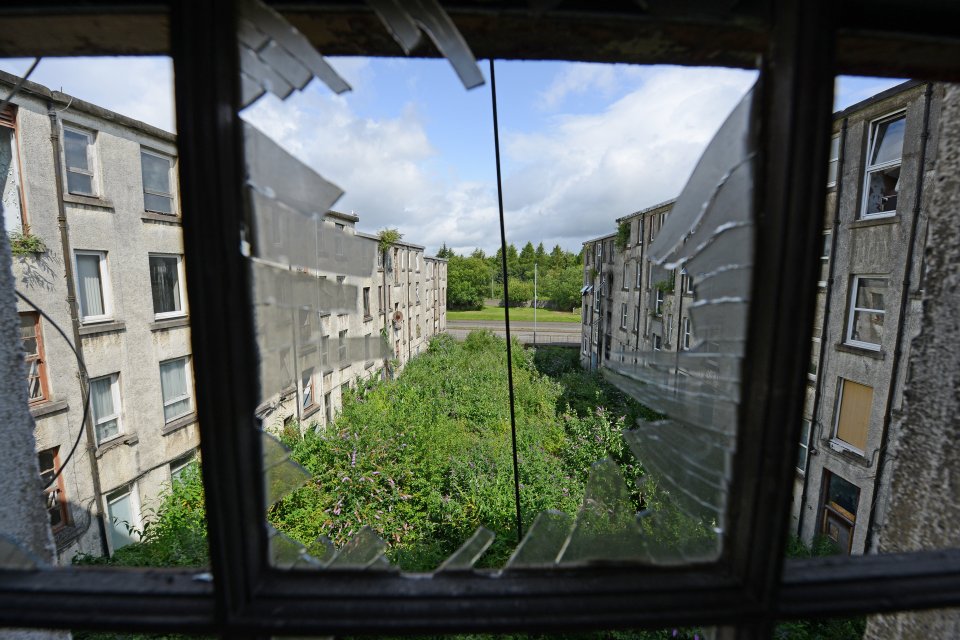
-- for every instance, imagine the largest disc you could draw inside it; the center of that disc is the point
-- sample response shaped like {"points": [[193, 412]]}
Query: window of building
{"points": [[639, 275], [78, 151], [825, 259], [396, 266], [623, 315], [657, 342], [882, 176], [328, 408], [658, 302], [105, 406], [325, 353], [124, 517], [181, 464], [366, 302], [834, 158], [814, 368], [175, 388], [853, 415], [342, 348], [54, 496], [804, 446], [157, 171], [636, 318], [625, 281], [308, 397], [585, 345], [166, 274], [599, 249], [93, 286], [866, 312], [685, 333], [11, 188], [31, 340], [840, 501]]}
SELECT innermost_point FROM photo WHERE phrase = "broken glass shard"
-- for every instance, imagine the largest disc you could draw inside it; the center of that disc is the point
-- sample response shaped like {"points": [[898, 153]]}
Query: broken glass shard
{"points": [[544, 540], [362, 551], [470, 551], [281, 475]]}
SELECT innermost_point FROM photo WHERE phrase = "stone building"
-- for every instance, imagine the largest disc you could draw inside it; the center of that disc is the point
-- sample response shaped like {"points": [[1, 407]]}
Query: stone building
{"points": [[882, 167], [631, 304], [883, 156], [99, 191]]}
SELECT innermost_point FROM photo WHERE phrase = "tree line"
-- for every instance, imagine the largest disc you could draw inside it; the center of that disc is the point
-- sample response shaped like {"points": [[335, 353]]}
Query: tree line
{"points": [[475, 277]]}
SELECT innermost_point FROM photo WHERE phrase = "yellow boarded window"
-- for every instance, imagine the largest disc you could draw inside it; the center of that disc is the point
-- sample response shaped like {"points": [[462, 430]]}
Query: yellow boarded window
{"points": [[854, 418]]}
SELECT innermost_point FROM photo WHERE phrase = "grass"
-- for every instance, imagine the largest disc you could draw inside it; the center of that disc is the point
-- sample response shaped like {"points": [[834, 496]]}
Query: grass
{"points": [[517, 314]]}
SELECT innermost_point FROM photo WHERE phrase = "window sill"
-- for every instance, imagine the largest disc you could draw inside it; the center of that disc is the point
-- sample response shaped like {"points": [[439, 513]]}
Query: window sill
{"points": [[127, 439], [311, 411], [90, 201], [179, 423], [838, 447], [169, 218], [861, 351], [103, 327], [874, 221], [367, 318], [48, 407], [346, 366], [170, 323]]}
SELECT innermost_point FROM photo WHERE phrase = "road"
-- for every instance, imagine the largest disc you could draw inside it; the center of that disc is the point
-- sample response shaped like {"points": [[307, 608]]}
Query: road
{"points": [[547, 332]]}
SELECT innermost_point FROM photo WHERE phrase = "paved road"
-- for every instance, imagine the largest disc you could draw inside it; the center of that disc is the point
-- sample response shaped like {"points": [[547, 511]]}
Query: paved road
{"points": [[547, 332]]}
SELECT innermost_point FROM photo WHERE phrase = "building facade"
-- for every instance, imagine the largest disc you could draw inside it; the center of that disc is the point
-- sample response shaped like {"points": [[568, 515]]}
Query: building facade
{"points": [[868, 310], [90, 203]]}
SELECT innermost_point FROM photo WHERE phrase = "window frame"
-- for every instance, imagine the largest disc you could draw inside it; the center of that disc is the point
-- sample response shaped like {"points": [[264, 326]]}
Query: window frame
{"points": [[117, 409], [58, 488], [751, 588], [852, 311], [869, 169], [835, 440], [132, 493], [188, 383], [106, 290], [181, 281], [39, 357], [171, 182], [833, 160], [94, 170]]}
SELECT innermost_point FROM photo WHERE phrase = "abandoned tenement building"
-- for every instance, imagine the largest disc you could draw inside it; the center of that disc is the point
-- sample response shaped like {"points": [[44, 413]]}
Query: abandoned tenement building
{"points": [[882, 153], [121, 295]]}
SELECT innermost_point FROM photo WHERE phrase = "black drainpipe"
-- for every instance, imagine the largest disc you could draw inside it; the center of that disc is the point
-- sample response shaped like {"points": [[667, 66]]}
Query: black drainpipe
{"points": [[901, 321], [75, 321], [818, 387]]}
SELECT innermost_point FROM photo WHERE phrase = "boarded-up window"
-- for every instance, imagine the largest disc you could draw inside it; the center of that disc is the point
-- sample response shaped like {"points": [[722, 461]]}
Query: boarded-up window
{"points": [[854, 415]]}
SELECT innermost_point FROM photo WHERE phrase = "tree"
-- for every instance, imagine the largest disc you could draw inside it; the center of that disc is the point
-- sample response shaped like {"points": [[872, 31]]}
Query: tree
{"points": [[541, 257], [519, 291], [558, 258], [445, 252], [525, 261], [562, 287], [467, 282]]}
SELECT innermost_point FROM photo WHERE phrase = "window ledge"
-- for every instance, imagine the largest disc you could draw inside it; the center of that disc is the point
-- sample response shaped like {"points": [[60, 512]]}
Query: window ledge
{"points": [[128, 439], [49, 407], [169, 218], [367, 318], [91, 201], [861, 351], [312, 410], [103, 327], [170, 323], [838, 448], [179, 423], [875, 221], [346, 366]]}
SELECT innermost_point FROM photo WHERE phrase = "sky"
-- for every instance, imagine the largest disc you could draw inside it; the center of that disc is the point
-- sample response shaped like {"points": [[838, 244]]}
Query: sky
{"points": [[581, 144]]}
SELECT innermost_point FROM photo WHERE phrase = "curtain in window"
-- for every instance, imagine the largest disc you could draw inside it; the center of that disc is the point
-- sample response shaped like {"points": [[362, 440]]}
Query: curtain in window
{"points": [[173, 382], [101, 400], [165, 284], [91, 292], [122, 521]]}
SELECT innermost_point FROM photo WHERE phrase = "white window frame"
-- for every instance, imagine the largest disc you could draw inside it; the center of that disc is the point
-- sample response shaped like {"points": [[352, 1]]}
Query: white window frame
{"points": [[188, 384], [117, 410], [181, 279], [639, 274], [623, 315], [92, 171], [105, 289], [816, 341], [181, 463], [852, 311], [130, 491], [869, 169], [658, 302], [834, 160], [170, 181], [825, 255], [805, 445], [657, 341], [636, 319], [685, 333]]}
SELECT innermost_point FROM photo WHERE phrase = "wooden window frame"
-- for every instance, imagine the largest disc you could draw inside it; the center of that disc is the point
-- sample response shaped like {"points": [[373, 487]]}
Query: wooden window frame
{"points": [[750, 587], [59, 487], [40, 358]]}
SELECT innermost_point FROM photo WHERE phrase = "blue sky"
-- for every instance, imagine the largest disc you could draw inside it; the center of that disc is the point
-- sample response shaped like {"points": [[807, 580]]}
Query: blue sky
{"points": [[581, 144]]}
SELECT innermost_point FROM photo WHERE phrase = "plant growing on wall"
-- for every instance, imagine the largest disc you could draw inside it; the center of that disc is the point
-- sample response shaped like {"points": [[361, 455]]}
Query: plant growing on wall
{"points": [[25, 244], [665, 286], [623, 236], [593, 273], [387, 238]]}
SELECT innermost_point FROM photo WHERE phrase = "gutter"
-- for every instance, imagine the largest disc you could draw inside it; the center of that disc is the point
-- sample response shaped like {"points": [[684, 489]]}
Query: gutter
{"points": [[901, 322], [75, 321]]}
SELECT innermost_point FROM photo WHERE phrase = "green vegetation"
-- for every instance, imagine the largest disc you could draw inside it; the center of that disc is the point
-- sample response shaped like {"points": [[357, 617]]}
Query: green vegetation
{"points": [[26, 244], [519, 314], [623, 236]]}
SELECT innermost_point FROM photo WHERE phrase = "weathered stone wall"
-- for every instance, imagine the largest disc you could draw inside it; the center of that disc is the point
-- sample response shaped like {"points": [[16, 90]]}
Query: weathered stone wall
{"points": [[924, 509]]}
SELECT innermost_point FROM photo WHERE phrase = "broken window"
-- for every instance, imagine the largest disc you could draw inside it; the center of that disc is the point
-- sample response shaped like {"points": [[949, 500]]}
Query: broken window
{"points": [[54, 495], [840, 501], [882, 175], [11, 193], [31, 339]]}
